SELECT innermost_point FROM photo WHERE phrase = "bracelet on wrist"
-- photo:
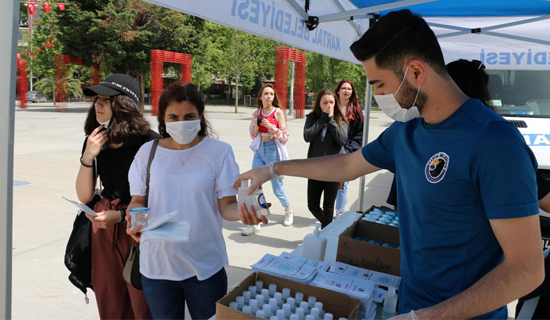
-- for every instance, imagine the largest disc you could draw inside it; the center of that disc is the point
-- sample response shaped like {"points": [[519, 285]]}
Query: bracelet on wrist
{"points": [[86, 165], [274, 175], [122, 215]]}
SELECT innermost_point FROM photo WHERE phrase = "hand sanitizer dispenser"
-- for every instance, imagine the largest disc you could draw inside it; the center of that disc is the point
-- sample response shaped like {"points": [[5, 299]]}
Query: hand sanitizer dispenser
{"points": [[314, 245], [390, 304], [241, 194]]}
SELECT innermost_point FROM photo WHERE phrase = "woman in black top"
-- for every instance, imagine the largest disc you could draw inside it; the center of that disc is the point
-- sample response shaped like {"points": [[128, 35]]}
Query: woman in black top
{"points": [[326, 131], [115, 130], [349, 105]]}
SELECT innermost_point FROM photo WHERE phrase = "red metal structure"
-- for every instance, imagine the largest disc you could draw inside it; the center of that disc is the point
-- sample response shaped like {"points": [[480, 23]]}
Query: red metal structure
{"points": [[158, 57], [22, 81], [61, 62], [282, 56]]}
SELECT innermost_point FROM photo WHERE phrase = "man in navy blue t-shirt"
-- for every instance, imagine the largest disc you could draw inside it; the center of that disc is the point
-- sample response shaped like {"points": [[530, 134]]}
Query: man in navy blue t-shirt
{"points": [[468, 208]]}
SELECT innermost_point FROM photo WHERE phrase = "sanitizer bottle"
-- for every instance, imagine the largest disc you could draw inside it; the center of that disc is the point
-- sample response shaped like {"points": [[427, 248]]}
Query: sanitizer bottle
{"points": [[314, 245], [257, 199], [241, 194], [390, 304]]}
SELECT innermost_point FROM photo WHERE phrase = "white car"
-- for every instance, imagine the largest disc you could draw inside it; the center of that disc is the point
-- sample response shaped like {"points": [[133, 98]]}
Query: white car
{"points": [[523, 98]]}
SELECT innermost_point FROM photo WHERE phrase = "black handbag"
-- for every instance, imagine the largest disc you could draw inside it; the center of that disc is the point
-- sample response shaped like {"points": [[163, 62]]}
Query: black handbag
{"points": [[131, 273], [78, 253]]}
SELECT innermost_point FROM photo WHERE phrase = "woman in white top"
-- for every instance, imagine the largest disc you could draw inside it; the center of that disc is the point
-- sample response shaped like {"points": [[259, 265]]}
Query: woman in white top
{"points": [[183, 260]]}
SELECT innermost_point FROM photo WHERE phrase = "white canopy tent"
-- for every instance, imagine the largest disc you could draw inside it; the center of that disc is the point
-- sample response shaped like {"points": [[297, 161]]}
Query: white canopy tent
{"points": [[504, 34], [501, 33]]}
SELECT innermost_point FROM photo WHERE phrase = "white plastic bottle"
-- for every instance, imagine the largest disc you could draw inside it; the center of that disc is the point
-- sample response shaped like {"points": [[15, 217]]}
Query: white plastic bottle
{"points": [[242, 197], [390, 304], [257, 199], [314, 245]]}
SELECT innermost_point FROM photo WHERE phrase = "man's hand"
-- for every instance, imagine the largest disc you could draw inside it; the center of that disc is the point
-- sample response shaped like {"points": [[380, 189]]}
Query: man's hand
{"points": [[258, 177]]}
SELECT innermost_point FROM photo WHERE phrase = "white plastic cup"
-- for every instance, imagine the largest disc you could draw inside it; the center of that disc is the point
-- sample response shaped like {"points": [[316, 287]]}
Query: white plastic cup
{"points": [[247, 309], [286, 293], [139, 216], [280, 314], [328, 316], [259, 285], [253, 303], [234, 305], [292, 302], [299, 298], [272, 289], [311, 301]]}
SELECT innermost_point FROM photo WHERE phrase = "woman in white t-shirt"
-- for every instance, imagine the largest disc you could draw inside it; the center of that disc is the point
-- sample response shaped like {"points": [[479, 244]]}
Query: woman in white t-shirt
{"points": [[183, 260]]}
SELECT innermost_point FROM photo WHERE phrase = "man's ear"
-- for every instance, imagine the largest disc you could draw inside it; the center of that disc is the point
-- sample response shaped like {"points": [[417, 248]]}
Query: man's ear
{"points": [[418, 71]]}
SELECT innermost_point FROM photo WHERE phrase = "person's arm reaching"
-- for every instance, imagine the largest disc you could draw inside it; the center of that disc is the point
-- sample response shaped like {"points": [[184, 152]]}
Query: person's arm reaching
{"points": [[350, 166], [520, 273]]}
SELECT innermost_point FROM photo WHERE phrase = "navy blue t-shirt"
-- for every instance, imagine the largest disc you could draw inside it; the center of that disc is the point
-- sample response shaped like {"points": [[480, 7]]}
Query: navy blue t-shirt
{"points": [[452, 178]]}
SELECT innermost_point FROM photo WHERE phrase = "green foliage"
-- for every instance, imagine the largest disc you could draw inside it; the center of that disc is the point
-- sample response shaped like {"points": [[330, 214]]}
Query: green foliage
{"points": [[119, 35], [47, 86], [323, 72]]}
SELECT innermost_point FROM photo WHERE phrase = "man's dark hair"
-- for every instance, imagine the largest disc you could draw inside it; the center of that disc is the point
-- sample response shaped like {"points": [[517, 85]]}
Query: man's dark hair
{"points": [[396, 36]]}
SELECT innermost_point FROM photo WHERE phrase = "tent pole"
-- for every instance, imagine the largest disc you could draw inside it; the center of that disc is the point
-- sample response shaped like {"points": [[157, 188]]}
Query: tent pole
{"points": [[366, 114], [8, 24]]}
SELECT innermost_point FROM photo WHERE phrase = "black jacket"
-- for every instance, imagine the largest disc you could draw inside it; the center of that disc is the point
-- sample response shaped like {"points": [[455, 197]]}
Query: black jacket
{"points": [[335, 138], [355, 136]]}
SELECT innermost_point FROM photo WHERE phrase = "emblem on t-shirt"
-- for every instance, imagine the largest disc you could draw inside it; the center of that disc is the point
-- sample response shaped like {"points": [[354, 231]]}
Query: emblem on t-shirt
{"points": [[437, 167]]}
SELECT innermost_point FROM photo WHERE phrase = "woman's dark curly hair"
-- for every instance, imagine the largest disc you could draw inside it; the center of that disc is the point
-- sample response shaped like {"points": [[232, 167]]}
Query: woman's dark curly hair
{"points": [[127, 123]]}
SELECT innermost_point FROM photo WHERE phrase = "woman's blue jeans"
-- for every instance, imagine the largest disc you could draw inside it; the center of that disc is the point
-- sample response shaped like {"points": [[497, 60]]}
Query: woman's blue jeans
{"points": [[167, 298], [266, 154], [342, 197]]}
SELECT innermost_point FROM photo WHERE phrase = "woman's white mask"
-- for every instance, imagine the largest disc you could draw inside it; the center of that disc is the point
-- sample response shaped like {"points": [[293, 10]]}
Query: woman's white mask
{"points": [[183, 132], [393, 109]]}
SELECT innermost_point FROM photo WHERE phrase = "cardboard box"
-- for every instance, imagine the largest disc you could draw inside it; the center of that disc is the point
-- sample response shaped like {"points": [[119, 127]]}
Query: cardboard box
{"points": [[339, 304], [367, 255]]}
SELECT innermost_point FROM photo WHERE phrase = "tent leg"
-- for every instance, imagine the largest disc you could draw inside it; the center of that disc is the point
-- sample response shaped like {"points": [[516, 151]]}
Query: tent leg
{"points": [[366, 123], [9, 25]]}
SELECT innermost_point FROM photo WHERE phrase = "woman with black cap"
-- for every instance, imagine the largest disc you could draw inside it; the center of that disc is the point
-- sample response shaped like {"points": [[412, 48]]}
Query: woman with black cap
{"points": [[115, 130]]}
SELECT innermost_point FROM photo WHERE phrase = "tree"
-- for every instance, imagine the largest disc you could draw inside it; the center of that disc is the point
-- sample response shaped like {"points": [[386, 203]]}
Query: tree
{"points": [[119, 34]]}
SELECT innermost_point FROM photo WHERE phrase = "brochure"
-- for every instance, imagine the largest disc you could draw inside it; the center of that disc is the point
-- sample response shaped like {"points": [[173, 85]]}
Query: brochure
{"points": [[82, 207]]}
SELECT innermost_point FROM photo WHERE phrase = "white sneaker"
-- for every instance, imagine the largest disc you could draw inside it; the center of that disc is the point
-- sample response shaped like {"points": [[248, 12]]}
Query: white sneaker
{"points": [[251, 230], [289, 218], [337, 214]]}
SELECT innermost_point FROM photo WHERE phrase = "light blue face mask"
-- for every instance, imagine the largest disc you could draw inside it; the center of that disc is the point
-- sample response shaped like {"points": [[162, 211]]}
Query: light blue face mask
{"points": [[393, 109]]}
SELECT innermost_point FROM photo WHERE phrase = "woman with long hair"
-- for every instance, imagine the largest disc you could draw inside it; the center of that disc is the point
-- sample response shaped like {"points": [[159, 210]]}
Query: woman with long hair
{"points": [[269, 136], [326, 132], [183, 261], [349, 105], [115, 130]]}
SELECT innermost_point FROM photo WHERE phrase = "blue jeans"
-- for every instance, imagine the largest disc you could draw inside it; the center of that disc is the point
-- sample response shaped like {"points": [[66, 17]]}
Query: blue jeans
{"points": [[167, 298], [266, 154], [342, 197]]}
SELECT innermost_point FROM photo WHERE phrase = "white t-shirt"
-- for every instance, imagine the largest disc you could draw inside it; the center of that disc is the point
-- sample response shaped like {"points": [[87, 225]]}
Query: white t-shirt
{"points": [[194, 190]]}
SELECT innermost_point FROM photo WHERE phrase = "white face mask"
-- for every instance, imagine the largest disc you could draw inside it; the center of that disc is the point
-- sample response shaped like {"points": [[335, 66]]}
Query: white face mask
{"points": [[183, 132], [393, 109], [106, 124]]}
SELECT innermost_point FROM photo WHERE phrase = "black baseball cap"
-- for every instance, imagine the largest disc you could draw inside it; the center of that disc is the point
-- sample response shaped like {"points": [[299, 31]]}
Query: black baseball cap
{"points": [[115, 85]]}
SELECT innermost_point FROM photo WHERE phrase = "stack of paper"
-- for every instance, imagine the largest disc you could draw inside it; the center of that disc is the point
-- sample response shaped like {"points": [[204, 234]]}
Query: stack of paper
{"points": [[319, 265], [379, 278], [285, 268], [357, 288]]}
